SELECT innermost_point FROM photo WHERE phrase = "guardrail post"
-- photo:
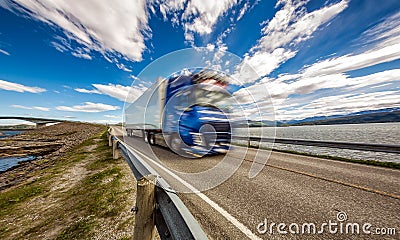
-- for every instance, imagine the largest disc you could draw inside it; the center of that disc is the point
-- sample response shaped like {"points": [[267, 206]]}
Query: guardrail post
{"points": [[145, 208], [115, 149], [109, 140]]}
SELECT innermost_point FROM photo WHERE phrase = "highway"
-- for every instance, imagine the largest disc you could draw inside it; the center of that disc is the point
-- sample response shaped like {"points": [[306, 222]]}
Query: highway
{"points": [[291, 189]]}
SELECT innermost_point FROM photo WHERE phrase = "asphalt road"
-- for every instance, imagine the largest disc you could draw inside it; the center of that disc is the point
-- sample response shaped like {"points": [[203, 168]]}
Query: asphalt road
{"points": [[291, 189]]}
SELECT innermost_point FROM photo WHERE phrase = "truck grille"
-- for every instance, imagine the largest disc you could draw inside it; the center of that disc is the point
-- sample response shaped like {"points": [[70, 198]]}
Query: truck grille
{"points": [[221, 126], [223, 136]]}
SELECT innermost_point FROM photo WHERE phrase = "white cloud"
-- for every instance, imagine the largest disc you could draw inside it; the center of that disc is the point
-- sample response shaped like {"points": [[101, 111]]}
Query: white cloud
{"points": [[287, 107], [123, 67], [106, 121], [134, 77], [59, 47], [82, 90], [262, 63], [243, 11], [385, 33], [386, 49], [375, 78], [291, 93], [331, 72], [196, 16], [380, 85], [81, 55], [64, 45], [306, 85], [116, 91], [112, 116], [89, 107], [10, 86], [42, 109], [205, 14], [210, 47], [31, 108], [116, 28], [4, 52], [122, 93], [351, 62], [291, 25]]}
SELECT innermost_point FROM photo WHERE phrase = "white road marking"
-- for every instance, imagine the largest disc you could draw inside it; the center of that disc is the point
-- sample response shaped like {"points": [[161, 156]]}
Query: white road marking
{"points": [[213, 204]]}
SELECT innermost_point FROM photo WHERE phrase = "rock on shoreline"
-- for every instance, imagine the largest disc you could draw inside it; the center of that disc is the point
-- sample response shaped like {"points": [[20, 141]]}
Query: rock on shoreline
{"points": [[47, 144]]}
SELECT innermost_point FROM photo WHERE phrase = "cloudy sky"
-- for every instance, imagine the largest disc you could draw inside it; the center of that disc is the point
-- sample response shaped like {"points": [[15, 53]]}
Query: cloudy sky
{"points": [[77, 59]]}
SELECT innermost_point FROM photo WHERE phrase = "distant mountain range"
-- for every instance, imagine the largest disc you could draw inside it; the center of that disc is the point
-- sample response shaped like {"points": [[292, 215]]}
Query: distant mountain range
{"points": [[372, 116]]}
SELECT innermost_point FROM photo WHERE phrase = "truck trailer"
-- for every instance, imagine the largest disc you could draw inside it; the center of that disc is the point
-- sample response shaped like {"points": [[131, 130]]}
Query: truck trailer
{"points": [[188, 113]]}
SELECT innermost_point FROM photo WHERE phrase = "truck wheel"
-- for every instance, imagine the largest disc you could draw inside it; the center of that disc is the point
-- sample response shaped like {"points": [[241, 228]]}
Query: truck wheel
{"points": [[152, 139], [176, 143]]}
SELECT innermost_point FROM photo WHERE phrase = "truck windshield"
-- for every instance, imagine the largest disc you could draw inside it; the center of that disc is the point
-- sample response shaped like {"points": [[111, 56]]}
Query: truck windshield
{"points": [[206, 97]]}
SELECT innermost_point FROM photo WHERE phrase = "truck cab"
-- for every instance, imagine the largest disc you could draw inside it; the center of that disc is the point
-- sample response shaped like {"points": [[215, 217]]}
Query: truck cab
{"points": [[196, 114]]}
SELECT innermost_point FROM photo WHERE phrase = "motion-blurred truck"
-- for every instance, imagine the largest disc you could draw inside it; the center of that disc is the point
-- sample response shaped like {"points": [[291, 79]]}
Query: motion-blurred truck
{"points": [[189, 113]]}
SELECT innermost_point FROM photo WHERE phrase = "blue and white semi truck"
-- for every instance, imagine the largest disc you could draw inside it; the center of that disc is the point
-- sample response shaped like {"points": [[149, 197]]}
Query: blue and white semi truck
{"points": [[189, 113]]}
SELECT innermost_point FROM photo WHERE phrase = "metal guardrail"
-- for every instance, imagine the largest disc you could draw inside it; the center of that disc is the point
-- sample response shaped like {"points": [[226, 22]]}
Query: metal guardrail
{"points": [[172, 218], [388, 148]]}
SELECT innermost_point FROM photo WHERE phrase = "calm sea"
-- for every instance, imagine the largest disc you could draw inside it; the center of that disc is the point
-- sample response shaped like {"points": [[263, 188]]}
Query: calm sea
{"points": [[385, 133], [9, 162], [10, 133]]}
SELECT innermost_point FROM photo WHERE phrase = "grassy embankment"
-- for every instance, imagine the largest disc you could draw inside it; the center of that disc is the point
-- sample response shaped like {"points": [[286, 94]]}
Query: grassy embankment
{"points": [[86, 194], [367, 162]]}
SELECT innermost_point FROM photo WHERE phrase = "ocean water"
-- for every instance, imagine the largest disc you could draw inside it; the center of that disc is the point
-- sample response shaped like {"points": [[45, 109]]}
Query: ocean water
{"points": [[380, 133], [9, 162], [10, 133]]}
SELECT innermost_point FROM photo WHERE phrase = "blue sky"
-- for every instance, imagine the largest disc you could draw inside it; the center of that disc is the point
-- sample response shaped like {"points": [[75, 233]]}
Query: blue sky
{"points": [[77, 59]]}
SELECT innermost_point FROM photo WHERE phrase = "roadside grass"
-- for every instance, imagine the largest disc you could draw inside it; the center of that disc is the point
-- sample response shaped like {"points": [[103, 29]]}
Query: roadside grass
{"points": [[79, 230], [360, 161], [86, 194], [19, 195]]}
